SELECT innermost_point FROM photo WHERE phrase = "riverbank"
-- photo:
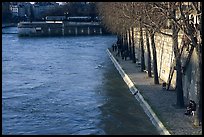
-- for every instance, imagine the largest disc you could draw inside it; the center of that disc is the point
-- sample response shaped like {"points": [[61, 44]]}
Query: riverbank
{"points": [[5, 25], [160, 101], [60, 28]]}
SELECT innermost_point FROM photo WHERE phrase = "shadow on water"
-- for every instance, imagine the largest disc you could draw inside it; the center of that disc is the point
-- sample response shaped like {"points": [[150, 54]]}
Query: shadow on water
{"points": [[121, 113]]}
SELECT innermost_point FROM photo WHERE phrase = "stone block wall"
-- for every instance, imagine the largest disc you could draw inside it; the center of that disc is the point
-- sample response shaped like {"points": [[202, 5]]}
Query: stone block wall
{"points": [[165, 58]]}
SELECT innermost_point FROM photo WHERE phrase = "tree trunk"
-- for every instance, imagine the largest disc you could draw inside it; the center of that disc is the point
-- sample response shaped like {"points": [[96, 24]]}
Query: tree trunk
{"points": [[198, 45], [126, 52], [148, 56], [118, 42], [119, 45], [200, 66], [200, 92], [142, 49], [122, 47], [198, 86], [179, 84], [130, 47], [133, 47], [156, 79]]}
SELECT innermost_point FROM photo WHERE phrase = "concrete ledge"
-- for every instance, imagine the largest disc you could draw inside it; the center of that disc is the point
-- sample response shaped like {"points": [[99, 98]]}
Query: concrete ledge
{"points": [[146, 107]]}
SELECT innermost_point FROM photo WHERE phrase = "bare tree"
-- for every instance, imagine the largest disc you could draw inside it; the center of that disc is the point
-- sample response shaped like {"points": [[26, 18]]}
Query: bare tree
{"points": [[132, 14], [192, 33], [154, 16], [149, 70], [153, 22], [114, 18], [142, 47]]}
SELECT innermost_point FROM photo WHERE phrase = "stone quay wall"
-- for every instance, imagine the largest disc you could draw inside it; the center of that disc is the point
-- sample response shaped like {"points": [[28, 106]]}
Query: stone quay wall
{"points": [[60, 29], [165, 58]]}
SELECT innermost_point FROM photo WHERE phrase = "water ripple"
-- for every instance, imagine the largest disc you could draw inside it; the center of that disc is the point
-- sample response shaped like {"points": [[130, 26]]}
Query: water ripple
{"points": [[65, 85]]}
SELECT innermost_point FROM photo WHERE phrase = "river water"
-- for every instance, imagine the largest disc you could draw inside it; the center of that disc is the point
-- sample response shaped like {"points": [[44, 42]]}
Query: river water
{"points": [[65, 85]]}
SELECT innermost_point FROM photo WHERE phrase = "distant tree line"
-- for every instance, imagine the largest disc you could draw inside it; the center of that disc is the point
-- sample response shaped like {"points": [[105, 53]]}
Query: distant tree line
{"points": [[74, 9], [68, 9], [6, 13]]}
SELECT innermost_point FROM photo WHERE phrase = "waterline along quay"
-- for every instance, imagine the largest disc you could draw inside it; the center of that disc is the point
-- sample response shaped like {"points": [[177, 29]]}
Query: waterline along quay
{"points": [[101, 68], [59, 28]]}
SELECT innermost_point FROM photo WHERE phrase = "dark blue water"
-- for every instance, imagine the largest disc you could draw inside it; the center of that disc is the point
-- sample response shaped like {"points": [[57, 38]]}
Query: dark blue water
{"points": [[65, 85]]}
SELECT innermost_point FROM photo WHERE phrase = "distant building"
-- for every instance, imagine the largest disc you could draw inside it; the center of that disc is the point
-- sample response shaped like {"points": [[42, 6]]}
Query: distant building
{"points": [[20, 9], [40, 8], [14, 10]]}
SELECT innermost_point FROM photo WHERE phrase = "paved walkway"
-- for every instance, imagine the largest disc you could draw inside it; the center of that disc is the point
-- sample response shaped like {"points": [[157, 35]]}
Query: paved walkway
{"points": [[161, 101]]}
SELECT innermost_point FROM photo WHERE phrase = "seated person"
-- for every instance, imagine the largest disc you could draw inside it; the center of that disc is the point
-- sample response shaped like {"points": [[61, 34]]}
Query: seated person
{"points": [[191, 108]]}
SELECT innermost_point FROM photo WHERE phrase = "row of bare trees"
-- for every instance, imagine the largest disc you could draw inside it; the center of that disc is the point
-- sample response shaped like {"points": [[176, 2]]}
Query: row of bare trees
{"points": [[122, 18]]}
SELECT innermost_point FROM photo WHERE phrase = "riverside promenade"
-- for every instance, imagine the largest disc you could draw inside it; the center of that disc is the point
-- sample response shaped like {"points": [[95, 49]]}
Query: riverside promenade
{"points": [[157, 103]]}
